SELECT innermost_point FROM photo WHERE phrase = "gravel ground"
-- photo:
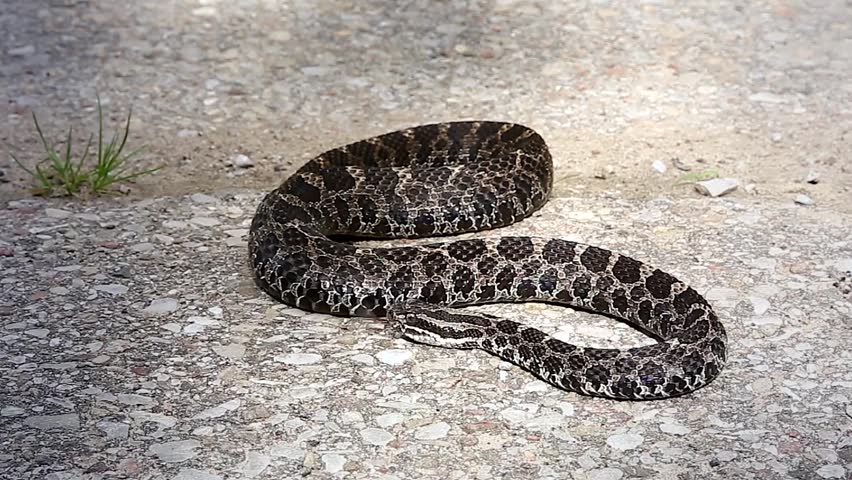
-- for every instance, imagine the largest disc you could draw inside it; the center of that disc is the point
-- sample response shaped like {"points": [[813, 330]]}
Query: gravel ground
{"points": [[135, 345]]}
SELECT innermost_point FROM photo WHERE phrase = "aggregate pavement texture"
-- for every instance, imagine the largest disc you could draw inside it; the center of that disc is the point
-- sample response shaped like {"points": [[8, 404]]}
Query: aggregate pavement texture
{"points": [[134, 344]]}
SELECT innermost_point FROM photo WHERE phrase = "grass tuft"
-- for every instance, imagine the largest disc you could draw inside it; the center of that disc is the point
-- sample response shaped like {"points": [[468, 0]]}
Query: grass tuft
{"points": [[60, 174]]}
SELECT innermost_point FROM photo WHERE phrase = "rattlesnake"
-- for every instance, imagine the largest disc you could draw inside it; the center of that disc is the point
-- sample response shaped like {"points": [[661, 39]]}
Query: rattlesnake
{"points": [[449, 178]]}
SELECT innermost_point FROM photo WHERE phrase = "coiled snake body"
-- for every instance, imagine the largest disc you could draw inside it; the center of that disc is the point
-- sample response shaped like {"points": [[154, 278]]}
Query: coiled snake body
{"points": [[449, 178]]}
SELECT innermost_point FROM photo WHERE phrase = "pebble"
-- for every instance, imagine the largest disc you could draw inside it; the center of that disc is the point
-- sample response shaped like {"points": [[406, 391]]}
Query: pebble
{"points": [[333, 462], [195, 474], [175, 452], [142, 416], [394, 356], [134, 399], [38, 332], [803, 199], [659, 166], [287, 451], [625, 441], [432, 431], [219, 410], [376, 436], [11, 411], [674, 429], [202, 198], [726, 455], [364, 359], [607, 473], [831, 471], [234, 351], [68, 421], [389, 419], [204, 221], [114, 430], [159, 306], [717, 186], [759, 305], [299, 358], [112, 288], [56, 213], [241, 161], [254, 464], [142, 247]]}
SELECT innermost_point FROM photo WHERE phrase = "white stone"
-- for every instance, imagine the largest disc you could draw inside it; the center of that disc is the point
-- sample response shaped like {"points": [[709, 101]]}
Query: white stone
{"points": [[394, 356], [389, 419], [241, 161], [219, 410], [134, 399], [287, 451], [333, 462], [831, 471], [161, 305], [254, 464], [432, 431], [175, 452], [803, 199], [299, 358], [57, 213], [717, 186], [68, 421], [376, 436], [364, 359], [674, 429], [142, 416], [114, 430], [625, 441], [659, 166], [760, 305], [234, 351], [607, 473], [11, 411], [38, 332], [204, 221], [202, 198], [195, 474], [112, 288]]}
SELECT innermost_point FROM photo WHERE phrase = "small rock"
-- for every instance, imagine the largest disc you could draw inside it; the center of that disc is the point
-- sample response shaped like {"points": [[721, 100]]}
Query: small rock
{"points": [[299, 358], [159, 306], [195, 474], [812, 177], [433, 431], [11, 411], [760, 305], [333, 462], [142, 416], [134, 399], [114, 430], [803, 199], [254, 464], [142, 247], [767, 97], [674, 429], [831, 471], [659, 166], [678, 163], [204, 221], [202, 198], [287, 451], [394, 356], [725, 455], [175, 452], [376, 436], [234, 351], [112, 288], [717, 186], [56, 213], [68, 421], [219, 410], [38, 332], [363, 358], [607, 473], [389, 419], [241, 161], [625, 441]]}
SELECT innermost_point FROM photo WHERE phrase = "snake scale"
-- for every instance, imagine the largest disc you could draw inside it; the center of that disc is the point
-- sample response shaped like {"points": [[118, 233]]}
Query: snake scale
{"points": [[449, 178]]}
